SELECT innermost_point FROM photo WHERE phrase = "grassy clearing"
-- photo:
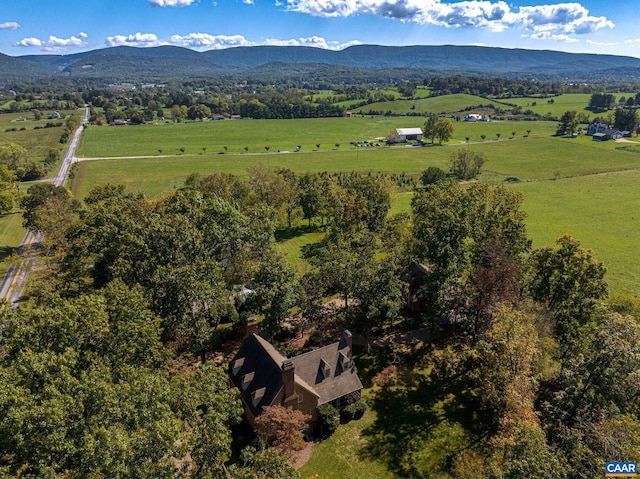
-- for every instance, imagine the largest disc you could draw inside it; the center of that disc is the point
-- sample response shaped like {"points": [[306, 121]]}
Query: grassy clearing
{"points": [[208, 139], [602, 211], [341, 457], [283, 135], [555, 106], [11, 235], [438, 104]]}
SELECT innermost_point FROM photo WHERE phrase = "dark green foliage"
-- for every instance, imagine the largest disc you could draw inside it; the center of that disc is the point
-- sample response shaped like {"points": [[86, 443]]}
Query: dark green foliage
{"points": [[432, 175], [568, 123], [570, 281], [602, 101], [38, 196], [353, 411], [328, 420], [626, 119], [267, 464], [466, 164]]}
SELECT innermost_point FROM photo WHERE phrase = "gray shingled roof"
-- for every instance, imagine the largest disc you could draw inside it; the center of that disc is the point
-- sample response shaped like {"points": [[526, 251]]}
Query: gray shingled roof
{"points": [[261, 358], [340, 382], [257, 366]]}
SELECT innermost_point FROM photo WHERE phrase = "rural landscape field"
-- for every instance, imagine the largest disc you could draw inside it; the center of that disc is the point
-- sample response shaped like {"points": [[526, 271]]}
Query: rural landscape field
{"points": [[558, 176], [255, 252]]}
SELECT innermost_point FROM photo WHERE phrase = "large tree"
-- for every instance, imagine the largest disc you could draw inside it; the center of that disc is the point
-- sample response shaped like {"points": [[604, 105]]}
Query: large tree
{"points": [[570, 281]]}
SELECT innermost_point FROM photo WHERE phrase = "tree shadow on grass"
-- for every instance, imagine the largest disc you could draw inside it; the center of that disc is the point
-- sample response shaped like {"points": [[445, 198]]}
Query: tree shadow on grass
{"points": [[284, 234], [421, 424], [6, 252]]}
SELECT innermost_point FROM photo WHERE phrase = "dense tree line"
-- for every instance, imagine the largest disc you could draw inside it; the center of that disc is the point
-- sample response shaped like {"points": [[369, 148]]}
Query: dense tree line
{"points": [[494, 87]]}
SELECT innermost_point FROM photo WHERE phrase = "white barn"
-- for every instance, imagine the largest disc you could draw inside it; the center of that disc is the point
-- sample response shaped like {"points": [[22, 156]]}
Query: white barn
{"points": [[408, 134]]}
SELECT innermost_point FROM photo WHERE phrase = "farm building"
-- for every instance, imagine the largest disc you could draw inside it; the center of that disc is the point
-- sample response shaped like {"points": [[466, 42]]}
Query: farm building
{"points": [[408, 134], [596, 127], [265, 377]]}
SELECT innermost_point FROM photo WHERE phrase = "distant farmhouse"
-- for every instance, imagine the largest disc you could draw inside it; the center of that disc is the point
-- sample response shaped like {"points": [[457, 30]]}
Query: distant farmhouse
{"points": [[596, 127], [471, 117], [403, 135], [265, 377]]}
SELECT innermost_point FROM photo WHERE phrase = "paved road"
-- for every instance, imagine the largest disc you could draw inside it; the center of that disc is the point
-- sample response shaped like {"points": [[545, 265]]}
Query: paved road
{"points": [[15, 279]]}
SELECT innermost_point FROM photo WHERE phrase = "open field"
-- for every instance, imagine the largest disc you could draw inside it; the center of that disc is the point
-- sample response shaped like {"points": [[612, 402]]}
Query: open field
{"points": [[284, 135], [556, 105], [37, 142], [11, 234], [437, 104], [602, 211], [593, 198]]}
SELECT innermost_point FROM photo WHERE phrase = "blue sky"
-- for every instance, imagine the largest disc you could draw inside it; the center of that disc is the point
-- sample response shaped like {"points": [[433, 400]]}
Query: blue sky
{"points": [[68, 26]]}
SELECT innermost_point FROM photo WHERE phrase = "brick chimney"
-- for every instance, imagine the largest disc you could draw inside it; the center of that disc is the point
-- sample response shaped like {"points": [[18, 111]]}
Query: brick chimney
{"points": [[348, 338], [250, 327], [288, 369]]}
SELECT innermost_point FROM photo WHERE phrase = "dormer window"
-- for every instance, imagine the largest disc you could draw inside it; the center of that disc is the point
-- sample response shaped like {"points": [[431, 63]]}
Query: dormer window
{"points": [[325, 369], [257, 395], [246, 380], [345, 362], [237, 364]]}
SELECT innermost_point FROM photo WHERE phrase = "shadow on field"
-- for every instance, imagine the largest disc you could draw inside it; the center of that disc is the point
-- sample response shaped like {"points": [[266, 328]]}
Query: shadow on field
{"points": [[422, 423], [6, 252], [285, 234]]}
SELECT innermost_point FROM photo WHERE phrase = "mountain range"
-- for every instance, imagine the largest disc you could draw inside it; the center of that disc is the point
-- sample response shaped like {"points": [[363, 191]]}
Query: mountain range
{"points": [[166, 62]]}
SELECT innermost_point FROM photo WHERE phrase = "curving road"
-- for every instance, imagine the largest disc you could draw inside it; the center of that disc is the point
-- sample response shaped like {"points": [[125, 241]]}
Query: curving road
{"points": [[16, 277]]}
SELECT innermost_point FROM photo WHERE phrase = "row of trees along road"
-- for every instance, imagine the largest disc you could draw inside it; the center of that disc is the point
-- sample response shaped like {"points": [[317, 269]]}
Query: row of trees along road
{"points": [[131, 281]]}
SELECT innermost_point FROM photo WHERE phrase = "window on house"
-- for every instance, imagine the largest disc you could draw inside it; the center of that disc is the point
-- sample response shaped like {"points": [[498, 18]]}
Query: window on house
{"points": [[237, 364], [257, 395], [325, 369], [345, 361], [246, 380]]}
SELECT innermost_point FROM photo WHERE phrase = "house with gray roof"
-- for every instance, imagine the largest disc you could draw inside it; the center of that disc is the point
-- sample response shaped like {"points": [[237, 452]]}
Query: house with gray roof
{"points": [[265, 377]]}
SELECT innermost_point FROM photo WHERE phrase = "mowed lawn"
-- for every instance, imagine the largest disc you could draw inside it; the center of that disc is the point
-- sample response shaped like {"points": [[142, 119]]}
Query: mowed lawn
{"points": [[436, 104], [602, 211], [209, 138], [284, 135]]}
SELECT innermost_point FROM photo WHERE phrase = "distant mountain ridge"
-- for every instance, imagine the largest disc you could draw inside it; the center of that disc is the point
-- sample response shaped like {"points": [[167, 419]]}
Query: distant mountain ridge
{"points": [[173, 62]]}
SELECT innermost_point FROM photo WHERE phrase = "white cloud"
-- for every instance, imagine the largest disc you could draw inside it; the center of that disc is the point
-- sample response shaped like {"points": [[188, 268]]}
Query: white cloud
{"points": [[29, 42], [313, 41], [557, 19], [9, 26], [53, 43], [170, 3], [248, 2], [600, 44], [207, 41], [560, 37], [135, 40]]}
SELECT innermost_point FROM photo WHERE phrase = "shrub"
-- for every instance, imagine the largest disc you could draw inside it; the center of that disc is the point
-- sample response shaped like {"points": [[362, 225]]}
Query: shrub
{"points": [[328, 420], [432, 175], [353, 411]]}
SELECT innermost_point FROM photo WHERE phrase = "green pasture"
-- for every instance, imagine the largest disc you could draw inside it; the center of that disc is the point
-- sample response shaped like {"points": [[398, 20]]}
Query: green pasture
{"points": [[37, 142], [532, 158], [559, 104], [602, 211], [284, 135], [11, 235], [209, 138], [436, 104]]}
